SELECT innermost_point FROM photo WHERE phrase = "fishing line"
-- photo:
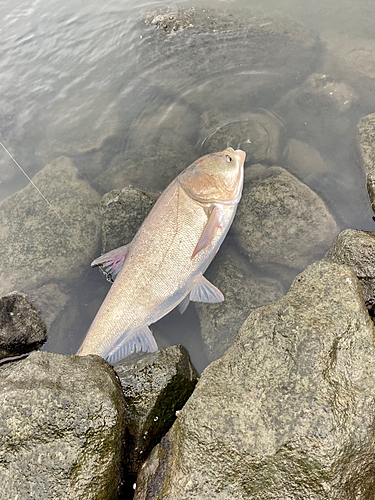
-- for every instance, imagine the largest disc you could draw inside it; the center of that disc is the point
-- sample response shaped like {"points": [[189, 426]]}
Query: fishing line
{"points": [[45, 199]]}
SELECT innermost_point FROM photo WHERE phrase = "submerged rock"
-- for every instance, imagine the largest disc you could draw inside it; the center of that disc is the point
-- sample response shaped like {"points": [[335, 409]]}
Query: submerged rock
{"points": [[123, 212], [351, 60], [203, 54], [356, 249], [50, 301], [36, 245], [243, 289], [21, 329], [281, 221], [287, 412], [154, 387], [260, 135], [61, 428], [153, 164], [366, 145], [319, 112]]}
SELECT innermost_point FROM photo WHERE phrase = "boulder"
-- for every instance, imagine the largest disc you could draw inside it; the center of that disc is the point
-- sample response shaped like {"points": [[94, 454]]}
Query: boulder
{"points": [[155, 387], [21, 329], [366, 145], [281, 222], [50, 300], [152, 164], [123, 212], [287, 412], [244, 290], [36, 245], [356, 249], [61, 428], [350, 59], [319, 112], [203, 54], [261, 135]]}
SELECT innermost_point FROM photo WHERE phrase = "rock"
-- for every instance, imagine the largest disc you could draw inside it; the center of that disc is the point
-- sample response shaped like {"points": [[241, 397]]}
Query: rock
{"points": [[281, 221], [260, 135], [319, 112], [287, 412], [8, 170], [78, 126], [36, 245], [21, 329], [366, 142], [304, 161], [155, 387], [152, 164], [61, 428], [351, 60], [356, 249], [203, 54], [243, 289], [123, 212], [50, 301]]}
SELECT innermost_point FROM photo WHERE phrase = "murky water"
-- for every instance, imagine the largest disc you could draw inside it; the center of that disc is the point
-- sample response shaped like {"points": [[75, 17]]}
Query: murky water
{"points": [[78, 78]]}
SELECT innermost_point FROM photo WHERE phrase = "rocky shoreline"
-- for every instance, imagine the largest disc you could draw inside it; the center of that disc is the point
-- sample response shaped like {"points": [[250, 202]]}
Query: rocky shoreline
{"points": [[285, 408]]}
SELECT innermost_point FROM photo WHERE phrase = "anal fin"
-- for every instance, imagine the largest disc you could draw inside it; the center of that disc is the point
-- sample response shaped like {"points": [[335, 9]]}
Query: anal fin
{"points": [[204, 291], [112, 262], [139, 340]]}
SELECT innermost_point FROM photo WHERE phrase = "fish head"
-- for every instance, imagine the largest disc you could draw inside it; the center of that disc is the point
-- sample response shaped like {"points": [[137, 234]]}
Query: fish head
{"points": [[216, 177]]}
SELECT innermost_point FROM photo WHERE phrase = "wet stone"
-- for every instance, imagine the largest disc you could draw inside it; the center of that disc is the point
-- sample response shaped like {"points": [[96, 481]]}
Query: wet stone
{"points": [[123, 212], [356, 249], [155, 387], [244, 290], [366, 142], [304, 161], [281, 222], [21, 329], [152, 164], [61, 428], [261, 135], [319, 112], [36, 245], [351, 60], [50, 300], [287, 412], [182, 49]]}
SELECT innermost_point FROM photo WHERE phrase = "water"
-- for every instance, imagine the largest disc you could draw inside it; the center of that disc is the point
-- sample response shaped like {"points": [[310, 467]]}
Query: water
{"points": [[75, 76]]}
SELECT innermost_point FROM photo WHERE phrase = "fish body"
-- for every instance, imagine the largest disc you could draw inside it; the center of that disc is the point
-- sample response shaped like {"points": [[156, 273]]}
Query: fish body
{"points": [[164, 264]]}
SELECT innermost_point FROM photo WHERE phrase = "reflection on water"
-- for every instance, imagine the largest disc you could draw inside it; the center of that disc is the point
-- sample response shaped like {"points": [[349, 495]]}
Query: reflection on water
{"points": [[94, 83]]}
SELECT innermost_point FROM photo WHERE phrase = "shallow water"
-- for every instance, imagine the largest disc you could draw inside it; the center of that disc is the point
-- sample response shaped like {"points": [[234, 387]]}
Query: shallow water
{"points": [[69, 67]]}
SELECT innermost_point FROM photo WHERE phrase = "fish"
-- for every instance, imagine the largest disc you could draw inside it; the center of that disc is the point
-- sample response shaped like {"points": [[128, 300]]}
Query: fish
{"points": [[163, 266]]}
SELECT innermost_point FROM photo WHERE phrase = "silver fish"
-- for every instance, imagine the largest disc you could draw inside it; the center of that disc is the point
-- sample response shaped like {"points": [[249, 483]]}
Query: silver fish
{"points": [[164, 264]]}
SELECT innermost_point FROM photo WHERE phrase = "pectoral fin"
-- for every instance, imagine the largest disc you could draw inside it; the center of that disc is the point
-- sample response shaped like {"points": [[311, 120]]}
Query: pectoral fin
{"points": [[214, 222], [139, 340], [112, 262], [182, 306], [204, 291]]}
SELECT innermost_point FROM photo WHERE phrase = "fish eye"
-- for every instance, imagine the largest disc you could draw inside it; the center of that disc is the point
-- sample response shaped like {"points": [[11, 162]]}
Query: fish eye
{"points": [[228, 158]]}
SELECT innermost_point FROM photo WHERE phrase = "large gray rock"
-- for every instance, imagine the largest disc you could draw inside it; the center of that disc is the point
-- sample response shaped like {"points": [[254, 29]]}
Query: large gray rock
{"points": [[261, 135], [61, 428], [287, 412], [155, 387], [281, 221], [351, 60], [36, 246], [21, 329], [366, 144], [356, 249], [123, 212], [203, 54], [244, 290], [50, 300], [152, 164], [319, 112]]}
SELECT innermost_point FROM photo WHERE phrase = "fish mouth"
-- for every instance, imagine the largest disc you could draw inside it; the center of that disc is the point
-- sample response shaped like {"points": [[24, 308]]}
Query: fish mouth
{"points": [[240, 155]]}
